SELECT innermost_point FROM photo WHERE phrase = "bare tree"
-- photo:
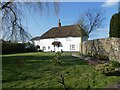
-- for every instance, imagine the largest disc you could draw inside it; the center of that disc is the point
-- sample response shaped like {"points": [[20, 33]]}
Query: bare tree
{"points": [[12, 14], [91, 20]]}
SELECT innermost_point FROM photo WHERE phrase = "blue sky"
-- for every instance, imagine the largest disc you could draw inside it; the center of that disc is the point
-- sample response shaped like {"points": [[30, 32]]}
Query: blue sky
{"points": [[69, 13]]}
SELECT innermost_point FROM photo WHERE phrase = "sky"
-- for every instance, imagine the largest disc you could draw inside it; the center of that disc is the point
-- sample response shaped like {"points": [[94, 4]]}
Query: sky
{"points": [[69, 13]]}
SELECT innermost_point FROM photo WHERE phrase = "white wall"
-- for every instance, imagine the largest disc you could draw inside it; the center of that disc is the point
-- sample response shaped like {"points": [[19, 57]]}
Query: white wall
{"points": [[36, 42], [46, 43], [65, 44]]}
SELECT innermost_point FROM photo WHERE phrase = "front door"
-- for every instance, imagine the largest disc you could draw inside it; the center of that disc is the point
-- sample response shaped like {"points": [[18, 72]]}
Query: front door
{"points": [[57, 49]]}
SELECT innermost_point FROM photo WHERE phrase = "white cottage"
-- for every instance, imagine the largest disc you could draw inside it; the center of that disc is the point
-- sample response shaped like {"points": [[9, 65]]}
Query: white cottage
{"points": [[61, 38]]}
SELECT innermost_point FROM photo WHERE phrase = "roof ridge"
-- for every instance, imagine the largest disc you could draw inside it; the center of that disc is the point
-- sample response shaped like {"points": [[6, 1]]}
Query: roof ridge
{"points": [[65, 26], [63, 31]]}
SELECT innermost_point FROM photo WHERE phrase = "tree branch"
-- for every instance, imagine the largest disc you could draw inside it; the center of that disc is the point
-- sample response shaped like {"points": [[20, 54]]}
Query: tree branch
{"points": [[91, 20], [13, 13], [5, 5]]}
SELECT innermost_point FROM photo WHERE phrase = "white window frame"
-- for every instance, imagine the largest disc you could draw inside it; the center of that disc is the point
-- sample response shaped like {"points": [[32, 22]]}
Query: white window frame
{"points": [[48, 47], [72, 47], [44, 47]]}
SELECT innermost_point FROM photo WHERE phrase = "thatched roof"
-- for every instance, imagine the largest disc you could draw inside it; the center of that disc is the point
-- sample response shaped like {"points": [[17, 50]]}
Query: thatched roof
{"points": [[63, 31], [36, 38]]}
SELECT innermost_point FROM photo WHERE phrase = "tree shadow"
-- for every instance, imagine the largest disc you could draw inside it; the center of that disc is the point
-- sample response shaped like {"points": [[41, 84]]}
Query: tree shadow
{"points": [[71, 61], [16, 65], [11, 59]]}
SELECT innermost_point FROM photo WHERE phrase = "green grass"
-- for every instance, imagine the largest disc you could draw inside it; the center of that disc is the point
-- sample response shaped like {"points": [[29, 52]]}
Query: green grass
{"points": [[35, 70]]}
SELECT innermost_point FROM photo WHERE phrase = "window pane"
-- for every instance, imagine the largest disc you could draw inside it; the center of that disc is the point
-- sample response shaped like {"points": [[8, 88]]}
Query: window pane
{"points": [[72, 47], [48, 47], [44, 48]]}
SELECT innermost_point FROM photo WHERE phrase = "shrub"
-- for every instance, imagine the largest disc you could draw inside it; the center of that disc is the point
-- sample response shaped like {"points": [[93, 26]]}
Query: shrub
{"points": [[8, 47], [101, 56], [114, 26], [108, 68], [115, 64], [30, 48], [38, 46], [104, 68], [57, 58]]}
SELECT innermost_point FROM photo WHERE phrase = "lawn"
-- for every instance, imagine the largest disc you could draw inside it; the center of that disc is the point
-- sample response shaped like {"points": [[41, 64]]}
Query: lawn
{"points": [[36, 70]]}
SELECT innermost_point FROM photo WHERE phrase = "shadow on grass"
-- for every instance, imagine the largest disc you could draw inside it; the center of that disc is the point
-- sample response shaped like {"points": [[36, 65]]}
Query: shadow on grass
{"points": [[29, 59], [66, 59], [70, 61], [15, 65]]}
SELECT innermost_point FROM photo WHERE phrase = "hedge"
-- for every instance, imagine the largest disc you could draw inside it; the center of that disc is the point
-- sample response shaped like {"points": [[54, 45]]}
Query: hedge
{"points": [[8, 47], [115, 25]]}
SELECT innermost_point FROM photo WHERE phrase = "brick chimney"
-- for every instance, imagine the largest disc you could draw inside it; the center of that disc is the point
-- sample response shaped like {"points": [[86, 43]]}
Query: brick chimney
{"points": [[59, 24]]}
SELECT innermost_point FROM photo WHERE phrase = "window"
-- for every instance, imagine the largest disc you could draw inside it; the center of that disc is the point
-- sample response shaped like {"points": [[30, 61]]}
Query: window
{"points": [[48, 47], [72, 47], [44, 48]]}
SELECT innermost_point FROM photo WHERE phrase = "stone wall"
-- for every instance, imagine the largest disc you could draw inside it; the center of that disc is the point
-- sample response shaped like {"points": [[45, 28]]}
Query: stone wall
{"points": [[108, 47]]}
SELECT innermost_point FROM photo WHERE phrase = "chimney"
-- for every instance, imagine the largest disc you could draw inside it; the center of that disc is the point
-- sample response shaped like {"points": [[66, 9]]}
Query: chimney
{"points": [[59, 24]]}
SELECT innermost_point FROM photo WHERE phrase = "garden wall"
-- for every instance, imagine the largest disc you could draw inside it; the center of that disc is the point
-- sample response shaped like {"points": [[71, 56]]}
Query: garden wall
{"points": [[108, 47]]}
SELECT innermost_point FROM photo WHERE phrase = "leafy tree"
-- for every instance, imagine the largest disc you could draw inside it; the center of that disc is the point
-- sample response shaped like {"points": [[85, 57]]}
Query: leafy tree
{"points": [[115, 26]]}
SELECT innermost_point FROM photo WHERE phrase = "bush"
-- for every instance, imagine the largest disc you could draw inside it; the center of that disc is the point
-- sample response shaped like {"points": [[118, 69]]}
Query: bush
{"points": [[115, 64], [57, 58], [8, 47], [30, 48], [108, 68], [114, 25]]}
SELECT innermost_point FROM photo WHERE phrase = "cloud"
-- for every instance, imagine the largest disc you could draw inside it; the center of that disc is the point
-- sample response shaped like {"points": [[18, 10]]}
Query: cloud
{"points": [[109, 3]]}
